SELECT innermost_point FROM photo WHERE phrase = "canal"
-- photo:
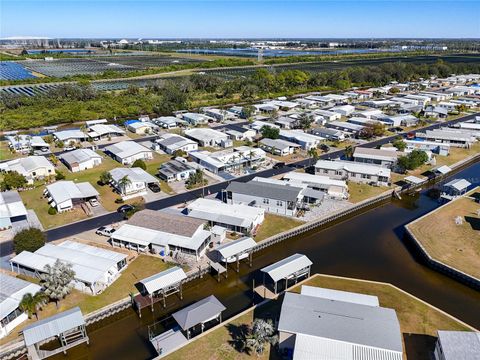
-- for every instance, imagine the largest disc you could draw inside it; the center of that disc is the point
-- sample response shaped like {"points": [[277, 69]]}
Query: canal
{"points": [[368, 246]]}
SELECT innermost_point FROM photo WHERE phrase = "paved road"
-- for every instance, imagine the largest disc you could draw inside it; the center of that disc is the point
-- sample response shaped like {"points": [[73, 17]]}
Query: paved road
{"points": [[93, 223]]}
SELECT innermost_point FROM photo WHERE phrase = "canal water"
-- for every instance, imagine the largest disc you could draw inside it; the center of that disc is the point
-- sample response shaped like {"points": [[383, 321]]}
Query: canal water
{"points": [[368, 246]]}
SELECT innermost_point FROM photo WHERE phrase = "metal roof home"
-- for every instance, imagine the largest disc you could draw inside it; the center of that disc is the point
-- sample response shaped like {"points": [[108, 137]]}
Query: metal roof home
{"points": [[444, 169], [20, 142], [62, 191], [12, 290], [457, 345], [324, 327], [172, 142], [126, 149], [339, 295], [237, 217], [101, 130], [67, 326], [375, 154], [11, 206], [94, 267], [79, 156], [346, 126], [70, 135], [134, 174], [29, 166], [198, 313], [278, 144], [353, 167], [206, 135], [265, 190]]}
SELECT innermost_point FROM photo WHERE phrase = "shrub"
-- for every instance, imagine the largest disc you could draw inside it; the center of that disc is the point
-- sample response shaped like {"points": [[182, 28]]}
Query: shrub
{"points": [[140, 164], [30, 239], [119, 201], [59, 175], [52, 211]]}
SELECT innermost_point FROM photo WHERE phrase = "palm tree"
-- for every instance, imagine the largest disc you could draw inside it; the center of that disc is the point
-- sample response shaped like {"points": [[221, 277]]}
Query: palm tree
{"points": [[261, 333], [348, 151], [123, 183], [105, 177], [313, 153], [57, 280], [30, 304]]}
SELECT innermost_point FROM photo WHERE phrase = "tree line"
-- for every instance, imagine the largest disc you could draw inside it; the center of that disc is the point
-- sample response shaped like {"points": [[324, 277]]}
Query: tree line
{"points": [[78, 102]]}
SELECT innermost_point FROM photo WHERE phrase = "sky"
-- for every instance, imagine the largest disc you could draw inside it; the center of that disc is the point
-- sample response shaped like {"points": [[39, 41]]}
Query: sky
{"points": [[240, 19]]}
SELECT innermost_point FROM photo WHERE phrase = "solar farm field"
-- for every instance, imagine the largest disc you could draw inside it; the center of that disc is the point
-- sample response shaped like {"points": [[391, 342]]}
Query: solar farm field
{"points": [[147, 61], [336, 65], [71, 67], [10, 70]]}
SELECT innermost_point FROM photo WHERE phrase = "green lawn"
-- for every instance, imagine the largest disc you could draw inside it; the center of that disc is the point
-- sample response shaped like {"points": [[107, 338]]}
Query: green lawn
{"points": [[6, 153], [275, 224], [414, 316], [418, 323], [359, 192]]}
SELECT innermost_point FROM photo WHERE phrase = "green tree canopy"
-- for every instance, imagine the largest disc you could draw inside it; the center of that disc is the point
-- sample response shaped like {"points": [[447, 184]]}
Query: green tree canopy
{"points": [[13, 180], [140, 164], [270, 132], [30, 239]]}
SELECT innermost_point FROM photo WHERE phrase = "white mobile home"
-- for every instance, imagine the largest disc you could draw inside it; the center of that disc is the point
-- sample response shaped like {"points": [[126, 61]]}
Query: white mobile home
{"points": [[137, 184], [354, 171], [81, 159], [126, 152], [95, 268], [65, 195], [163, 233]]}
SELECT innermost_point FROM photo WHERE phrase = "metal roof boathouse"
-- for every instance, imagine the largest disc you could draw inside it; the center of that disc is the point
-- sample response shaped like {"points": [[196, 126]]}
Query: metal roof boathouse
{"points": [[188, 319], [68, 327], [293, 267], [236, 251], [157, 287]]}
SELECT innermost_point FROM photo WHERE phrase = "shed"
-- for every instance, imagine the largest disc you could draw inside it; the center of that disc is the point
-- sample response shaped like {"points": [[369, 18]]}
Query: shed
{"points": [[292, 267], [413, 180], [68, 327], [199, 313]]}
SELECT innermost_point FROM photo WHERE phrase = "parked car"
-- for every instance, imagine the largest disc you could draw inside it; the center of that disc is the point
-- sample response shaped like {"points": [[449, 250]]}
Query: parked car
{"points": [[69, 148], [125, 208], [279, 165], [105, 231], [93, 202], [154, 187], [324, 147]]}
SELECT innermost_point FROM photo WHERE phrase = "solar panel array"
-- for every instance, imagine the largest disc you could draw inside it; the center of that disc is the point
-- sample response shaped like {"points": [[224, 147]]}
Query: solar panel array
{"points": [[71, 67], [10, 70]]}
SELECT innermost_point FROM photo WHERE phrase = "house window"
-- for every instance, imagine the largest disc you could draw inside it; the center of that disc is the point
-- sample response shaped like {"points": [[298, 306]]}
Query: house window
{"points": [[266, 201], [325, 171], [338, 172], [34, 173], [365, 176], [279, 203]]}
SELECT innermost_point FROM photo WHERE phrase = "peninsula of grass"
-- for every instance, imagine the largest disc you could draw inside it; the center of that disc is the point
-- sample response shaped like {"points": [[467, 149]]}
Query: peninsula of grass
{"points": [[456, 245], [418, 320]]}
